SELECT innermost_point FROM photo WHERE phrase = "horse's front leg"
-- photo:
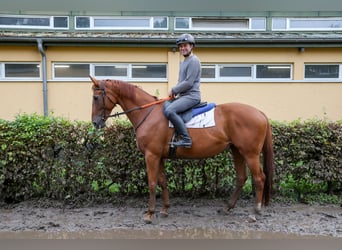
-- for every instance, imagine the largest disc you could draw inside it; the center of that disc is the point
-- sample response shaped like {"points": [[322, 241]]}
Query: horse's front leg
{"points": [[152, 166], [162, 181]]}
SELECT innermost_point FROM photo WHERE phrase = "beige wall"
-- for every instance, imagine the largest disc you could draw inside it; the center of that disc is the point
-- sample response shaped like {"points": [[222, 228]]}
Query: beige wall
{"points": [[280, 101]]}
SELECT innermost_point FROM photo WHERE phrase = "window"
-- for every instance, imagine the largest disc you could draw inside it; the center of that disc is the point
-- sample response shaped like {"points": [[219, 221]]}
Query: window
{"points": [[244, 72], [219, 23], [149, 71], [235, 71], [71, 70], [273, 71], [34, 22], [307, 23], [208, 71], [60, 22], [319, 71], [20, 71], [121, 23], [122, 71]]}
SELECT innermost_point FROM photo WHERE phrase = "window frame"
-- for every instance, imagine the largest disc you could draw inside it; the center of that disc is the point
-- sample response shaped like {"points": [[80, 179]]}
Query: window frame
{"points": [[50, 26], [324, 79], [128, 77], [252, 77], [29, 78], [92, 20], [307, 20], [249, 26]]}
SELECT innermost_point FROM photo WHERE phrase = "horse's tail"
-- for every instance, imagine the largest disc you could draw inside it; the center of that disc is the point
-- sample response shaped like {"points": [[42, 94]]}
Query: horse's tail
{"points": [[268, 162]]}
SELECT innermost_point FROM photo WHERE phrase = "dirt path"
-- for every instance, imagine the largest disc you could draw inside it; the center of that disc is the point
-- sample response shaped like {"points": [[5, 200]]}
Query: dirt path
{"points": [[187, 219]]}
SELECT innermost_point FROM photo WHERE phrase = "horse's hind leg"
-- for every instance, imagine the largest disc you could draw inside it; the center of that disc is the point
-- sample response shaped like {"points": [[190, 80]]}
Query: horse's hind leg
{"points": [[241, 177], [258, 180], [162, 181]]}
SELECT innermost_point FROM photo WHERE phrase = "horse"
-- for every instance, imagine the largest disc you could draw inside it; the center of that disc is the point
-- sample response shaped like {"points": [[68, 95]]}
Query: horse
{"points": [[243, 129]]}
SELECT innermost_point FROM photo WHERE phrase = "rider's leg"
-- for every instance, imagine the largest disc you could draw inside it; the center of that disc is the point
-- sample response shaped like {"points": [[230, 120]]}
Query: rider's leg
{"points": [[181, 130], [171, 112]]}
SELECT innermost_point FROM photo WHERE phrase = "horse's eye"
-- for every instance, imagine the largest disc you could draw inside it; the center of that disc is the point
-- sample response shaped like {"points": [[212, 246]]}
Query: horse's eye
{"points": [[95, 97]]}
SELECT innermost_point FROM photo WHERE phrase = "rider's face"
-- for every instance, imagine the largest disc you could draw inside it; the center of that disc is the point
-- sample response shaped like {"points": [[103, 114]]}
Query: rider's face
{"points": [[185, 49]]}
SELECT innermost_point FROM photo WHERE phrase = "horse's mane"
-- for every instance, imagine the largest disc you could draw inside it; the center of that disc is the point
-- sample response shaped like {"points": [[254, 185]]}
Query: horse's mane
{"points": [[128, 90]]}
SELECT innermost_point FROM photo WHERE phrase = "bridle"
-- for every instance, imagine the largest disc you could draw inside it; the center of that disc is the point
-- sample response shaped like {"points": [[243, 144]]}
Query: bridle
{"points": [[117, 114]]}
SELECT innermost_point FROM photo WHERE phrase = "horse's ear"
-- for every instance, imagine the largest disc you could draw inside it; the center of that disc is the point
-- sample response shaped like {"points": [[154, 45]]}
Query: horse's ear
{"points": [[95, 82]]}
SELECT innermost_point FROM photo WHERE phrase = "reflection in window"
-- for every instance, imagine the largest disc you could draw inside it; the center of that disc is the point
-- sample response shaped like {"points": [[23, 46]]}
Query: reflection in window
{"points": [[235, 71], [82, 22], [22, 70], [321, 71], [273, 71], [25, 21], [149, 71], [182, 23], [208, 71], [71, 70], [127, 23], [60, 22], [160, 22], [111, 70]]}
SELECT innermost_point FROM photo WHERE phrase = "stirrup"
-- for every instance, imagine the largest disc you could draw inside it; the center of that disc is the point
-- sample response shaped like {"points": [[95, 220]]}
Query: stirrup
{"points": [[182, 143]]}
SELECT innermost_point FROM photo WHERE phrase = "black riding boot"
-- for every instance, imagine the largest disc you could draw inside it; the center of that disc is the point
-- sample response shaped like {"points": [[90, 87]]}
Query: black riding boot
{"points": [[181, 130]]}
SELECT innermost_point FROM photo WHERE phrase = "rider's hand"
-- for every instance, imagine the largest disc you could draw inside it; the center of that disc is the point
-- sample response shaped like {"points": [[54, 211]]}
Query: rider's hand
{"points": [[173, 96]]}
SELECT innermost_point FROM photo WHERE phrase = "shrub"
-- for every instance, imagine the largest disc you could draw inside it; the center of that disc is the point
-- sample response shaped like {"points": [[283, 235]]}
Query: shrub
{"points": [[71, 161]]}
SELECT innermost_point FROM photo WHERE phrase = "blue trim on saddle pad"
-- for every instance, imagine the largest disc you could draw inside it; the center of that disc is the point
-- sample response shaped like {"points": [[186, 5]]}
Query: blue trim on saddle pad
{"points": [[200, 110]]}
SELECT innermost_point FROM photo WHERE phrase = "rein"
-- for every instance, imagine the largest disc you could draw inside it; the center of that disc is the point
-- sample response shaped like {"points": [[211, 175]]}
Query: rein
{"points": [[117, 114]]}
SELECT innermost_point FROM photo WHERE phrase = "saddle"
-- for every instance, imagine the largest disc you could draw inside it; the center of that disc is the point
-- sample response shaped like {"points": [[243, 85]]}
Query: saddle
{"points": [[198, 109], [202, 108]]}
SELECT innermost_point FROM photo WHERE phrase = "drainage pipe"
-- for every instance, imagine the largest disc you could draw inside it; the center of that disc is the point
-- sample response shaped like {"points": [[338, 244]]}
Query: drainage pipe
{"points": [[45, 90]]}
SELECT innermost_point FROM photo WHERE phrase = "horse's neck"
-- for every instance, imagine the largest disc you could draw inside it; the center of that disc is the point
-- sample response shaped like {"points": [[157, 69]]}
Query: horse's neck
{"points": [[135, 102], [135, 99]]}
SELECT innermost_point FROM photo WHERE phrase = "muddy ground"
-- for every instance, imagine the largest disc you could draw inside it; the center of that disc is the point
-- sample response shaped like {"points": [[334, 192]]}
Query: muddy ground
{"points": [[188, 219]]}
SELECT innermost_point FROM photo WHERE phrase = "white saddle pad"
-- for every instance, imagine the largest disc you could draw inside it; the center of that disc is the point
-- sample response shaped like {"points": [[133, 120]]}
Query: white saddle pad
{"points": [[204, 120]]}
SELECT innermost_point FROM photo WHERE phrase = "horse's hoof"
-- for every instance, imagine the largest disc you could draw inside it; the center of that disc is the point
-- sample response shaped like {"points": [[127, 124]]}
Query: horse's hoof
{"points": [[257, 209], [163, 214], [148, 218]]}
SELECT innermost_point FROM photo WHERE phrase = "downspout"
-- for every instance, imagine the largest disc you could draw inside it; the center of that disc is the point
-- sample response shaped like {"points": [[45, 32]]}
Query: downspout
{"points": [[45, 90]]}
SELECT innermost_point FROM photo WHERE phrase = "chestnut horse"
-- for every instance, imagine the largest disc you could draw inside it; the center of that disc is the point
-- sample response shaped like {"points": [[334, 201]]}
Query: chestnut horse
{"points": [[242, 128]]}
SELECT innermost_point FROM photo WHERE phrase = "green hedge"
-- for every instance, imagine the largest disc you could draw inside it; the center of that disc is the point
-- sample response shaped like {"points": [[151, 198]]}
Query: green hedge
{"points": [[55, 158]]}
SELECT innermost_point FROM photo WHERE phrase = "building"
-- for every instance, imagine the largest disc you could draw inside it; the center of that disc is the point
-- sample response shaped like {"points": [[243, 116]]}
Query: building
{"points": [[283, 58]]}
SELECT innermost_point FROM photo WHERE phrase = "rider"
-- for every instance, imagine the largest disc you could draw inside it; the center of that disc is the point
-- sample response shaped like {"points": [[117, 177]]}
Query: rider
{"points": [[186, 93]]}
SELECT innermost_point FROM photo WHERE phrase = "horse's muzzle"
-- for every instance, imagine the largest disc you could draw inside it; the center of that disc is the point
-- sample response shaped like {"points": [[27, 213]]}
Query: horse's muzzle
{"points": [[99, 122]]}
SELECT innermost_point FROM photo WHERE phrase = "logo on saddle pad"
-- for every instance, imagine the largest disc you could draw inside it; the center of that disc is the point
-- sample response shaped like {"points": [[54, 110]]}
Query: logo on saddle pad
{"points": [[199, 117]]}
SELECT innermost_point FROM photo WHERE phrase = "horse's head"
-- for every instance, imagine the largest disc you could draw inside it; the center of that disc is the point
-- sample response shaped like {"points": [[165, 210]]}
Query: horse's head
{"points": [[103, 104]]}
